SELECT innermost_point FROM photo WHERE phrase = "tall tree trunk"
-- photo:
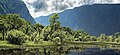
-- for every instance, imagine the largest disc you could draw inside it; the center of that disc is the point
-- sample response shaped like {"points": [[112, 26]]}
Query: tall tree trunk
{"points": [[3, 34]]}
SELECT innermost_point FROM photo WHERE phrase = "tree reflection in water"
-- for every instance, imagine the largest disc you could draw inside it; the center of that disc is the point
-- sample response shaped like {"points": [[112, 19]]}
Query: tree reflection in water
{"points": [[63, 50]]}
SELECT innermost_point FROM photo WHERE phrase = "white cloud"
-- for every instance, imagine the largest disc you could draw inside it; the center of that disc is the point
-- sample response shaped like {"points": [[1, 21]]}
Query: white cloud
{"points": [[45, 7]]}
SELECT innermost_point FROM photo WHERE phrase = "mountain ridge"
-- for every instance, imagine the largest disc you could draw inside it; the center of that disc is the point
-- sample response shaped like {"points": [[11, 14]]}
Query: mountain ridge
{"points": [[15, 7], [94, 19]]}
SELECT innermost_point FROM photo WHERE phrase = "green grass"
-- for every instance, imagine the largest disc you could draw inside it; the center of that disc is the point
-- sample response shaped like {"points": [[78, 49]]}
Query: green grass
{"points": [[28, 44], [93, 42], [4, 44], [44, 43]]}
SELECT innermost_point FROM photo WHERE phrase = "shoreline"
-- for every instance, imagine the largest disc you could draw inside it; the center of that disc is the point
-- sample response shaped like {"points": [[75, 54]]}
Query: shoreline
{"points": [[5, 44]]}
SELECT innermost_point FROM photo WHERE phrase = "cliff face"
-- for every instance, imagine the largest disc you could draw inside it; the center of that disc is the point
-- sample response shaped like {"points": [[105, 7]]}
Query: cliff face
{"points": [[95, 19], [15, 7]]}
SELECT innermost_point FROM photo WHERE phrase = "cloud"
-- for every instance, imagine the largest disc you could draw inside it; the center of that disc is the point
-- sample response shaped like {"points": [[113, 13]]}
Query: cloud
{"points": [[39, 8]]}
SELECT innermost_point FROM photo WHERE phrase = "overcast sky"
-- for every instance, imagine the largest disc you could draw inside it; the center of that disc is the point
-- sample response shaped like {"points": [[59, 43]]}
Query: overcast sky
{"points": [[39, 8]]}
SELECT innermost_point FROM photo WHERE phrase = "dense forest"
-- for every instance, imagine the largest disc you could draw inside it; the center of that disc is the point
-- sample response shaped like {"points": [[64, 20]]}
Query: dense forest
{"points": [[16, 30]]}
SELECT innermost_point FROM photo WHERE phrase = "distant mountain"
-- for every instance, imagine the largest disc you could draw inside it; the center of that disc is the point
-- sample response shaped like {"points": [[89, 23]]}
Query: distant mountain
{"points": [[15, 7], [95, 19], [47, 7]]}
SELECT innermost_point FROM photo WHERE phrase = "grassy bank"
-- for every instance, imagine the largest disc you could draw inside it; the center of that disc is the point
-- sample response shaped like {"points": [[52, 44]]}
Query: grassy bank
{"points": [[44, 43], [4, 44], [93, 42]]}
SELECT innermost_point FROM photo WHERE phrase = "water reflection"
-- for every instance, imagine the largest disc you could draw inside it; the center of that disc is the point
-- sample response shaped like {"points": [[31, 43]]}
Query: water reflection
{"points": [[64, 50]]}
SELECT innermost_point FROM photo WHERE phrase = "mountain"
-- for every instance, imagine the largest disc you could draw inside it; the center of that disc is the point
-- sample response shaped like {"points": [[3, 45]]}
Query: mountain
{"points": [[39, 8], [15, 7], [94, 19]]}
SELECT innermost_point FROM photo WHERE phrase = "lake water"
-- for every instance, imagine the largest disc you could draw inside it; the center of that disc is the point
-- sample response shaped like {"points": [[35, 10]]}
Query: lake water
{"points": [[71, 49]]}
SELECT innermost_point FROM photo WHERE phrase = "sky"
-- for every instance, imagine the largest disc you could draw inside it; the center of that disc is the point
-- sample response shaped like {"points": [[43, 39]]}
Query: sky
{"points": [[39, 8]]}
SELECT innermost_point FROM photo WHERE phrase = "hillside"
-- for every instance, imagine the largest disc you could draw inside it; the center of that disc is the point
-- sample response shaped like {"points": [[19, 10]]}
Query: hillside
{"points": [[95, 19], [15, 7]]}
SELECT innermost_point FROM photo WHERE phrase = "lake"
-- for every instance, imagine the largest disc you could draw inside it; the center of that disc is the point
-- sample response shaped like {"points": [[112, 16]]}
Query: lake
{"points": [[70, 49]]}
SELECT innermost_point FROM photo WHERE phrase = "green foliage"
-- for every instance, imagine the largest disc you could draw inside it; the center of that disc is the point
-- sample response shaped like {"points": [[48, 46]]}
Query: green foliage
{"points": [[17, 37], [46, 31], [17, 31], [38, 38], [117, 39], [102, 38], [33, 35], [38, 27], [110, 39], [54, 23], [80, 35], [9, 22], [57, 40], [93, 38], [53, 18]]}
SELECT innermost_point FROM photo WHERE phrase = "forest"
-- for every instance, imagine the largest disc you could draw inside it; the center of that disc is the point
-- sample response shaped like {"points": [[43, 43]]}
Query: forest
{"points": [[14, 30]]}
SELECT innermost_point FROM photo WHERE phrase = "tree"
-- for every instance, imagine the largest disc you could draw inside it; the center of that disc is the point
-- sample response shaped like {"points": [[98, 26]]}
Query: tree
{"points": [[54, 23], [117, 34], [80, 35], [9, 22], [3, 25], [93, 38], [46, 31], [67, 29], [102, 38], [25, 27], [57, 40], [38, 38], [53, 19], [17, 37], [59, 35], [110, 38], [117, 39], [38, 27]]}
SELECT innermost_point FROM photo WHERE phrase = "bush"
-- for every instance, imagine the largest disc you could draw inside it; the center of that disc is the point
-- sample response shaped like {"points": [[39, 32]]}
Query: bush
{"points": [[38, 39], [57, 40], [17, 37], [117, 39]]}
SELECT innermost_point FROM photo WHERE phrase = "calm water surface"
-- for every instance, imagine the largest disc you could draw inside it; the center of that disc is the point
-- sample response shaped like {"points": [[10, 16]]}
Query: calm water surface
{"points": [[64, 50]]}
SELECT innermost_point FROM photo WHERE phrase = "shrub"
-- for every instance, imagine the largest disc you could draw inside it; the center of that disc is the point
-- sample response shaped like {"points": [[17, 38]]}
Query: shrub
{"points": [[17, 37], [117, 39], [57, 40], [38, 39]]}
